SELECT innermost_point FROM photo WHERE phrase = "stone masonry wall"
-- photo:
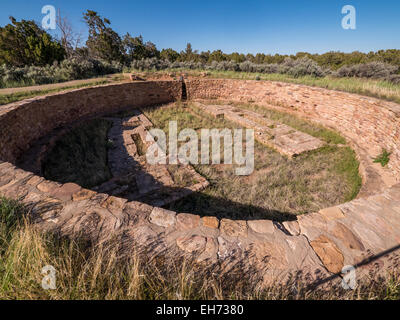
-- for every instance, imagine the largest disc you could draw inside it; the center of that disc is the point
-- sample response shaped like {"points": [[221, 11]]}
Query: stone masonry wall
{"points": [[369, 123], [26, 121]]}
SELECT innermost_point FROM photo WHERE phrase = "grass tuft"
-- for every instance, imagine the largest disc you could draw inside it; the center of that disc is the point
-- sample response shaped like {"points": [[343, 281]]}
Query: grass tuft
{"points": [[383, 158]]}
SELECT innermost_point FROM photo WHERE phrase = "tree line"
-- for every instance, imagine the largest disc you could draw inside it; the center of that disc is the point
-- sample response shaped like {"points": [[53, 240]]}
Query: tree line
{"points": [[24, 43]]}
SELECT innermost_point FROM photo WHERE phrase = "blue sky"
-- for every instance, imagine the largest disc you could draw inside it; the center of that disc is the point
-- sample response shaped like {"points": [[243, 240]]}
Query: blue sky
{"points": [[280, 26]]}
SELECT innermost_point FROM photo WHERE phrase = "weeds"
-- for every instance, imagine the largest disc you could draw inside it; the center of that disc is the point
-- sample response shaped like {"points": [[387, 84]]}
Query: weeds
{"points": [[383, 158]]}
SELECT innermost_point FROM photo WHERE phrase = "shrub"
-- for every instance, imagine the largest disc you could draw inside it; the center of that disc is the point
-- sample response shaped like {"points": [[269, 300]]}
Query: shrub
{"points": [[378, 70], [68, 69], [301, 67], [393, 78], [295, 68]]}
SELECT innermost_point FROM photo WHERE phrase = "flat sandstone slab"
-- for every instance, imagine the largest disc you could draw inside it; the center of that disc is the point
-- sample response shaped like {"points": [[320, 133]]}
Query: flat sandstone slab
{"points": [[280, 137]]}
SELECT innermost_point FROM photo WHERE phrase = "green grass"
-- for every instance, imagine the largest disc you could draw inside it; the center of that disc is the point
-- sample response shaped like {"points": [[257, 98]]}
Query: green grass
{"points": [[383, 158], [17, 96], [81, 155], [279, 187], [97, 272]]}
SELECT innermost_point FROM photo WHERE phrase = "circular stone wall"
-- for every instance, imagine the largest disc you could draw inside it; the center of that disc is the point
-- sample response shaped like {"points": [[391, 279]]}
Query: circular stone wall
{"points": [[313, 247]]}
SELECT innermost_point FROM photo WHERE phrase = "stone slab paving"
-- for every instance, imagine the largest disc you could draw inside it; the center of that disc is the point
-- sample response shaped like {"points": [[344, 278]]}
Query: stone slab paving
{"points": [[281, 137]]}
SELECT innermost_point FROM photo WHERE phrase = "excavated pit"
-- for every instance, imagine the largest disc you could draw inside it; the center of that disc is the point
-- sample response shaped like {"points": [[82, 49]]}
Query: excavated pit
{"points": [[314, 247]]}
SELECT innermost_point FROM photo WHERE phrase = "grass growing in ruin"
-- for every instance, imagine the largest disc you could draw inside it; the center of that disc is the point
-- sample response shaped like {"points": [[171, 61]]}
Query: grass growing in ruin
{"points": [[86, 272], [81, 155], [383, 158], [279, 187]]}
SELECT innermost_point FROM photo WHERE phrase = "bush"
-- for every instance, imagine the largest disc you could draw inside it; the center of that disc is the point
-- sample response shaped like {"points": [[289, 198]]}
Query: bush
{"points": [[301, 67], [378, 70], [69, 69], [393, 78], [295, 68]]}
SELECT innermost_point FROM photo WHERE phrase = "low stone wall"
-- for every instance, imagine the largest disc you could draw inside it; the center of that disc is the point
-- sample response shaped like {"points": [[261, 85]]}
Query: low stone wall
{"points": [[314, 247]]}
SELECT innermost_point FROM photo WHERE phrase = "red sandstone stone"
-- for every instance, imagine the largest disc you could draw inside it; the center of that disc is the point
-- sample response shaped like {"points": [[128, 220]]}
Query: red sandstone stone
{"points": [[210, 222], [186, 221], [329, 253], [332, 213], [234, 228]]}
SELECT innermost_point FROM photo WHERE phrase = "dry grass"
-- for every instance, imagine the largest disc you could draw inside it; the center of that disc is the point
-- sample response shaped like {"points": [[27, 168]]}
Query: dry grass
{"points": [[99, 272], [279, 187]]}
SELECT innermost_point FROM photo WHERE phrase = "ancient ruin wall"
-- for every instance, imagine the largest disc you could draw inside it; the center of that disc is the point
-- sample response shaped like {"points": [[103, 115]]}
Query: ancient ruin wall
{"points": [[24, 122], [369, 123]]}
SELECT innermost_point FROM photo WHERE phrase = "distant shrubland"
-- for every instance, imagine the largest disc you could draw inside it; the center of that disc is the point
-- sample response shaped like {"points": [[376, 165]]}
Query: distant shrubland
{"points": [[30, 55], [66, 70]]}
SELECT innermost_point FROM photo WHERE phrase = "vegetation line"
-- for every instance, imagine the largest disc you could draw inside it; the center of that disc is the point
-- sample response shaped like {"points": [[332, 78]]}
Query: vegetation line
{"points": [[18, 96]]}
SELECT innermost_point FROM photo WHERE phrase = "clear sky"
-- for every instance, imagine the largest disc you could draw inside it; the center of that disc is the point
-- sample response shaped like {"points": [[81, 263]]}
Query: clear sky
{"points": [[279, 26]]}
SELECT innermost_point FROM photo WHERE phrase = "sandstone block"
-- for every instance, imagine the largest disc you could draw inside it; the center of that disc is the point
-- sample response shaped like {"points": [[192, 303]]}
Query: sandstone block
{"points": [[163, 218], [66, 191], [293, 227], [48, 186], [234, 228], [262, 226], [83, 194], [210, 222], [114, 203], [210, 250], [329, 253], [186, 221], [35, 180], [332, 213]]}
